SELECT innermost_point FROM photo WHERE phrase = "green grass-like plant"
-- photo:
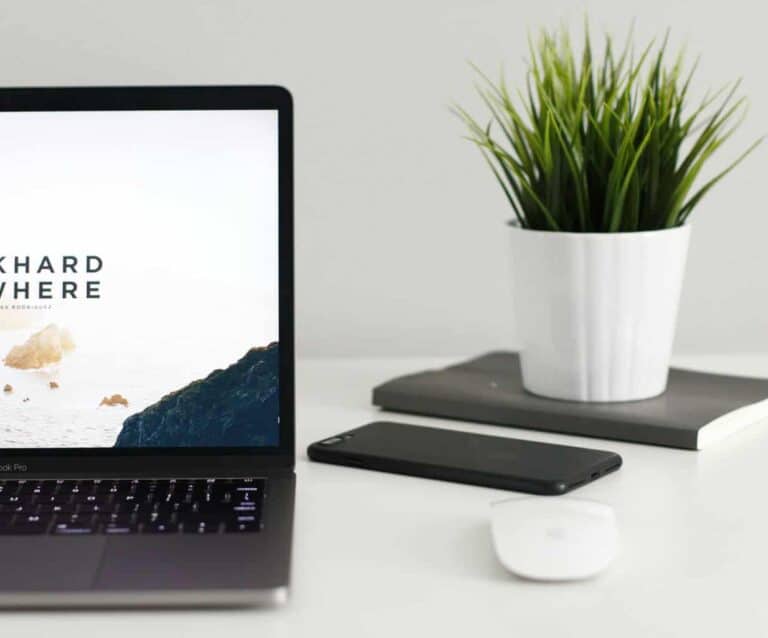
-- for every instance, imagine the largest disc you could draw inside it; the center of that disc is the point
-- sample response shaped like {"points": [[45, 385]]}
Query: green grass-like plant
{"points": [[603, 145]]}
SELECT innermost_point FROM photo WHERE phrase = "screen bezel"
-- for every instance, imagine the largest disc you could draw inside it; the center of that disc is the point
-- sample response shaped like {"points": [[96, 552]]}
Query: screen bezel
{"points": [[183, 461]]}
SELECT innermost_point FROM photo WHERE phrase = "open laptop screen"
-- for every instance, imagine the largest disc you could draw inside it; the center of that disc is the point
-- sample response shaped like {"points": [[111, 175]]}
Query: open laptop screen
{"points": [[139, 279]]}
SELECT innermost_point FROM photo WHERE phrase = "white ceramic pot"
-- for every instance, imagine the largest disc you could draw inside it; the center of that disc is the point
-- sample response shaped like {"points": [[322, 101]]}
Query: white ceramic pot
{"points": [[596, 312]]}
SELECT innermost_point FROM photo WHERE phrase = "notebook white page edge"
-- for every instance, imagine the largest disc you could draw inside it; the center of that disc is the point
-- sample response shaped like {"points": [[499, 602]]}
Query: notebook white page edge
{"points": [[730, 423]]}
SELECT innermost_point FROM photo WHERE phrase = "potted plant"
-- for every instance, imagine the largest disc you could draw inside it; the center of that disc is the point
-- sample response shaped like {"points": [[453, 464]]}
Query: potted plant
{"points": [[598, 158]]}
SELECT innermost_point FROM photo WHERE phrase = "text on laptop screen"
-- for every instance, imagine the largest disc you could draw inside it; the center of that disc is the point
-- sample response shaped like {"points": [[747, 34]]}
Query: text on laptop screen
{"points": [[139, 279]]}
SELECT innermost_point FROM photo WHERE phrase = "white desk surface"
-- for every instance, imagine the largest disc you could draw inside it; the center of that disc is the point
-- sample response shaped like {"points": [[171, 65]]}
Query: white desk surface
{"points": [[386, 555]]}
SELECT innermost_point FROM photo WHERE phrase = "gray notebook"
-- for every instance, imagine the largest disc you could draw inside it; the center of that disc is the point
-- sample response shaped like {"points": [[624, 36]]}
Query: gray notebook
{"points": [[697, 410]]}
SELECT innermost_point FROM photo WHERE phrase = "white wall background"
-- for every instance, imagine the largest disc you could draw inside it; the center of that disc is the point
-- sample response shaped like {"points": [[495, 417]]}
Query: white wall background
{"points": [[401, 248]]}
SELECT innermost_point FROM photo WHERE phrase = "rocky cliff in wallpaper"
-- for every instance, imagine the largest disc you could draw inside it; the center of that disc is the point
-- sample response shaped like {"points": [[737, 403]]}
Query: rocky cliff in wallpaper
{"points": [[238, 406]]}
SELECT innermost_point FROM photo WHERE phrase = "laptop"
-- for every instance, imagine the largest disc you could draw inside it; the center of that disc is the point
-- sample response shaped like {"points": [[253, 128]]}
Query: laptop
{"points": [[146, 340]]}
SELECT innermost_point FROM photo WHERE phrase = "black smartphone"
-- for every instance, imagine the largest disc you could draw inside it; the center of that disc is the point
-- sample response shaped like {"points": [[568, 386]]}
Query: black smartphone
{"points": [[466, 457]]}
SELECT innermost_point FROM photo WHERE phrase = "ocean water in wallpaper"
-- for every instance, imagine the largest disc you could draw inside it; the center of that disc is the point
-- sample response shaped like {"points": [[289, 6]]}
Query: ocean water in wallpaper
{"points": [[139, 279]]}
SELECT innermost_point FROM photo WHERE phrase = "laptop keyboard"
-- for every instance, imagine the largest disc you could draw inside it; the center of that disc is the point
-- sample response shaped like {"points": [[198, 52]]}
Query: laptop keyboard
{"points": [[139, 506]]}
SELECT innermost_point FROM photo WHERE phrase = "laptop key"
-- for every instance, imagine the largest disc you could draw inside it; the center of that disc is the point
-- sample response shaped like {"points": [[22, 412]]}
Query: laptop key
{"points": [[160, 528], [73, 529], [24, 527], [120, 528], [243, 526], [92, 508], [116, 519], [201, 526]]}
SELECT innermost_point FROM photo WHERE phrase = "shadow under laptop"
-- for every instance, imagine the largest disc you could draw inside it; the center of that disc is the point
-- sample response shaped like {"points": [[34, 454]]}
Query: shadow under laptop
{"points": [[204, 609]]}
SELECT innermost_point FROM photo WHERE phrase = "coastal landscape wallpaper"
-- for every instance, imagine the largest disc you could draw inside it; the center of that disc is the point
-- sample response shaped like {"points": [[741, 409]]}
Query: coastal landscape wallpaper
{"points": [[139, 279]]}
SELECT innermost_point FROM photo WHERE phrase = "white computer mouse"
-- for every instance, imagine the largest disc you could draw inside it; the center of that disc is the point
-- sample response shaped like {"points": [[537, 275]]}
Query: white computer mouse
{"points": [[554, 538]]}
